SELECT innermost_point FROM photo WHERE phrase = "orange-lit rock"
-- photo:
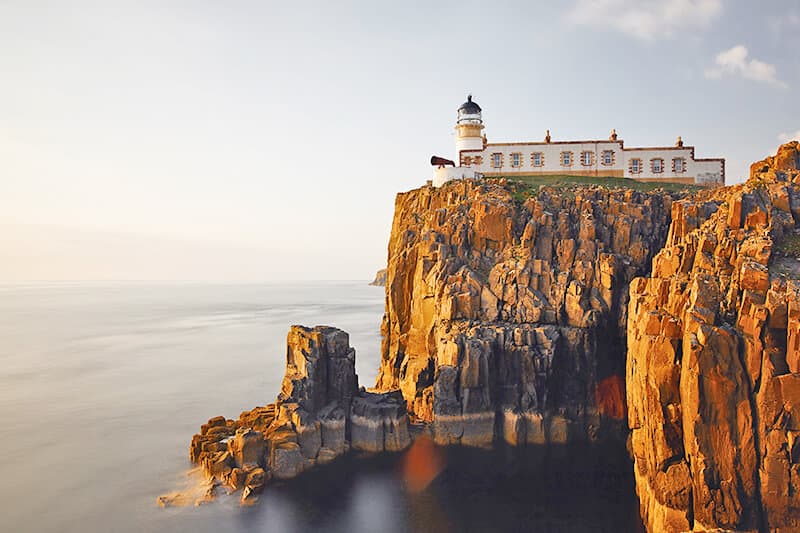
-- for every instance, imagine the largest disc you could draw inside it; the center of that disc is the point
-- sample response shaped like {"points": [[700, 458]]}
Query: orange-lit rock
{"points": [[505, 316], [711, 398], [319, 399], [564, 316]]}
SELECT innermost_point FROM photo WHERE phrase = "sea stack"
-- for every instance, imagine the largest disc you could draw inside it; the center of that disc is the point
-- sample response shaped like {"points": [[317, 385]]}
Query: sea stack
{"points": [[319, 414]]}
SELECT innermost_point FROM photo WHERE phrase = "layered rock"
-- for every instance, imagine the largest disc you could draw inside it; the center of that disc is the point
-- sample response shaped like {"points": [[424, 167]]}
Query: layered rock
{"points": [[713, 371], [559, 315], [505, 315], [380, 278], [319, 415]]}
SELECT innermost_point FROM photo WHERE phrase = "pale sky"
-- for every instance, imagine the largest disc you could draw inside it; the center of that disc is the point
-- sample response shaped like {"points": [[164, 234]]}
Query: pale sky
{"points": [[257, 141]]}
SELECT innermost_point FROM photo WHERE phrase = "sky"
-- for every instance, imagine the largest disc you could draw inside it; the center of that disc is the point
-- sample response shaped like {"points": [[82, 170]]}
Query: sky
{"points": [[250, 141]]}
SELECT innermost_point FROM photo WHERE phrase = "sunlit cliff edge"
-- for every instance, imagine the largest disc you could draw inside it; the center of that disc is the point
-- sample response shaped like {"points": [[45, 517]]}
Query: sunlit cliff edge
{"points": [[665, 320], [713, 367]]}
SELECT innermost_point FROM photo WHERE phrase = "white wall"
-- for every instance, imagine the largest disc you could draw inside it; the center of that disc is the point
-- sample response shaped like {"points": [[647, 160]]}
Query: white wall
{"points": [[444, 174], [703, 172], [711, 170], [468, 143], [552, 156]]}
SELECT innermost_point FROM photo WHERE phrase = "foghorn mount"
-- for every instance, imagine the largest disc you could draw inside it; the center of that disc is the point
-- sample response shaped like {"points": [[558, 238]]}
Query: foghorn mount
{"points": [[441, 162]]}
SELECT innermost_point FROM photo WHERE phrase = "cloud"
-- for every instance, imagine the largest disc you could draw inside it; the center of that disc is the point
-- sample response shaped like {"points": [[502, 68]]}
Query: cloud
{"points": [[645, 19], [786, 137], [785, 23], [735, 62]]}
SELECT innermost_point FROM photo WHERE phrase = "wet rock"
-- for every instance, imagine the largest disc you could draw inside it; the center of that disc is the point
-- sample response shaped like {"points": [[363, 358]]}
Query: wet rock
{"points": [[236, 479], [333, 424], [247, 447], [286, 460], [255, 480], [218, 464], [305, 426], [378, 422]]}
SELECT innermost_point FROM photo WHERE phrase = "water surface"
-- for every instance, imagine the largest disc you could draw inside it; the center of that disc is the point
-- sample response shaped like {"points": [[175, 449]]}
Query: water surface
{"points": [[102, 386]]}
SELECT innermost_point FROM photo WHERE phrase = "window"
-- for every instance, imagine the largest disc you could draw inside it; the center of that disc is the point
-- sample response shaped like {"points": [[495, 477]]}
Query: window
{"points": [[587, 158], [566, 159], [657, 165], [608, 157], [537, 159], [636, 166], [516, 160], [497, 160], [478, 160], [678, 165], [467, 160]]}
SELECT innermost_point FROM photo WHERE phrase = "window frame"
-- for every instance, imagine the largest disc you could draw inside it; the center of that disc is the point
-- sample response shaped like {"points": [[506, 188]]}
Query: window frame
{"points": [[682, 161], [568, 155], [660, 162], [497, 160], [541, 159], [516, 156], [603, 158], [638, 162], [583, 158]]}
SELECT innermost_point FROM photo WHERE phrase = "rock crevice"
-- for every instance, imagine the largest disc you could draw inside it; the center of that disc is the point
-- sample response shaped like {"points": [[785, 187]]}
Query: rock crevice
{"points": [[713, 387], [505, 316]]}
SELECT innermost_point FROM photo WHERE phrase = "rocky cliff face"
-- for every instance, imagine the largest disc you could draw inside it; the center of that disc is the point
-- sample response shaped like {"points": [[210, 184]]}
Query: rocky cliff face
{"points": [[380, 278], [570, 314], [505, 315], [319, 415], [713, 371]]}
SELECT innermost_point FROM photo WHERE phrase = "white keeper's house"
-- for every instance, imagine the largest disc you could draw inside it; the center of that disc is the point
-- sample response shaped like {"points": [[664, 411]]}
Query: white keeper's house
{"points": [[606, 157]]}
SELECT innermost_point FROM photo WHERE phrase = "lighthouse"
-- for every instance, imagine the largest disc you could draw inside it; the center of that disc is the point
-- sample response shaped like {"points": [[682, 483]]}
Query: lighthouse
{"points": [[469, 137], [609, 158], [469, 127]]}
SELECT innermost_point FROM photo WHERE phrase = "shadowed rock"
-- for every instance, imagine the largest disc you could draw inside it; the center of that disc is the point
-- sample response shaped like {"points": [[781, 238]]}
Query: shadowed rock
{"points": [[504, 314]]}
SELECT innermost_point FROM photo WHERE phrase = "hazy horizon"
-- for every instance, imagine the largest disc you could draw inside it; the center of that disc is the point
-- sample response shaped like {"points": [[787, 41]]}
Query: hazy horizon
{"points": [[262, 141]]}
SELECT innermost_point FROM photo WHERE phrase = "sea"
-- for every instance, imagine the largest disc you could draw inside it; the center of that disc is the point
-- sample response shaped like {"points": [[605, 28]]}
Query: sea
{"points": [[102, 386]]}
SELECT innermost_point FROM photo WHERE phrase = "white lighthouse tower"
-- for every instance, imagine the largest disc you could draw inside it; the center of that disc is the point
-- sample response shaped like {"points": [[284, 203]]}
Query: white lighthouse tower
{"points": [[469, 127]]}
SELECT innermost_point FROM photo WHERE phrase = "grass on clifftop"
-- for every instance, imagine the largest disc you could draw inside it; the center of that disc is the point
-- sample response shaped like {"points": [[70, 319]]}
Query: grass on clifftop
{"points": [[532, 184]]}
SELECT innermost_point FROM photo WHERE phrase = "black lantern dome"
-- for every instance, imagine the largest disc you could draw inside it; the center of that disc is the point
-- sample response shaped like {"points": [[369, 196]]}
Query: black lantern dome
{"points": [[469, 107]]}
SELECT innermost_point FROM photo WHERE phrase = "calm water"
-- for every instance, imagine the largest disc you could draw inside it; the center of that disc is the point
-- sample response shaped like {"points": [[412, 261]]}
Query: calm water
{"points": [[103, 385]]}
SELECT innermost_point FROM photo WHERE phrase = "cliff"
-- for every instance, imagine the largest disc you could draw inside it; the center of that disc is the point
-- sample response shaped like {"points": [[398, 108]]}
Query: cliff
{"points": [[380, 278], [506, 307], [713, 368], [319, 414], [667, 321]]}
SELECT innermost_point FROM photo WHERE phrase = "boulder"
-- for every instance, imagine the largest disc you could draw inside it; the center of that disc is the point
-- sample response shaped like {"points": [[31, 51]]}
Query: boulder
{"points": [[379, 423], [247, 447]]}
